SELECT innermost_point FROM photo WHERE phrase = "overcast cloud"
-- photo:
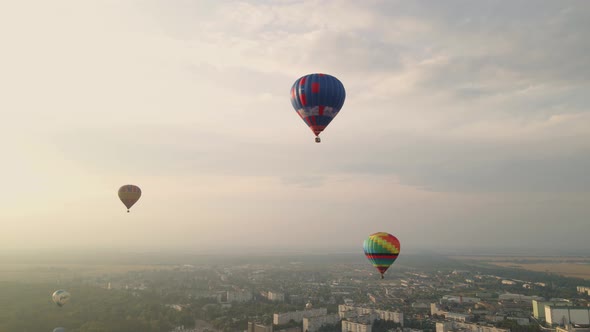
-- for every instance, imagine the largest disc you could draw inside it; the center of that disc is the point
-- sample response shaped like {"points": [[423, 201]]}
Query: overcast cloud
{"points": [[462, 118]]}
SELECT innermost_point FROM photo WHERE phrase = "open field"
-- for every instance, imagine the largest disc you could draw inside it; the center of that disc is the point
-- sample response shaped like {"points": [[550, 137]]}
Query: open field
{"points": [[552, 259], [578, 267], [564, 269], [52, 272]]}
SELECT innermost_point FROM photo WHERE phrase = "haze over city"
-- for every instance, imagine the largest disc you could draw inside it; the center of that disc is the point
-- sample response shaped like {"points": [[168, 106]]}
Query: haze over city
{"points": [[466, 125]]}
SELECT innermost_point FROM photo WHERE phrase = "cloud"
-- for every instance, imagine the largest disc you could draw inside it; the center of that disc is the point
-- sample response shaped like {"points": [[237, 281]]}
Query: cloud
{"points": [[306, 181], [453, 97], [448, 105]]}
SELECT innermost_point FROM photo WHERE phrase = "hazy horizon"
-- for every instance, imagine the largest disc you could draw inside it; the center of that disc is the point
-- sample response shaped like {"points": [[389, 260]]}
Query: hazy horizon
{"points": [[466, 125], [286, 251]]}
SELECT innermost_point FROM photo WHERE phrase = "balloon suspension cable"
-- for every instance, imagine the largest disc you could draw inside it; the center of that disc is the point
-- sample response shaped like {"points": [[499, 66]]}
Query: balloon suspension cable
{"points": [[317, 139]]}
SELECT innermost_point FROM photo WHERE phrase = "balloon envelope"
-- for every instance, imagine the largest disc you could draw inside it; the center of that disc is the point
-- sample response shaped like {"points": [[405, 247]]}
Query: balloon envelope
{"points": [[59, 329], [60, 297], [129, 194], [382, 250], [317, 98]]}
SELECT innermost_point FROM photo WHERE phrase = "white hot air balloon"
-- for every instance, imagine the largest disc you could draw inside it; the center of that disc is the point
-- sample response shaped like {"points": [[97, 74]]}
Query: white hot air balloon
{"points": [[60, 297]]}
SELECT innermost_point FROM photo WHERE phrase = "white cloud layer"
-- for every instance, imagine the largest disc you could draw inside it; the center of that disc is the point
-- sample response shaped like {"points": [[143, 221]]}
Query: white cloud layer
{"points": [[452, 107]]}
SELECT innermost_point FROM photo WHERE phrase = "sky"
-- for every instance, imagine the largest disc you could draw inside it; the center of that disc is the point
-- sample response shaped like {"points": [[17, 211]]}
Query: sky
{"points": [[466, 124]]}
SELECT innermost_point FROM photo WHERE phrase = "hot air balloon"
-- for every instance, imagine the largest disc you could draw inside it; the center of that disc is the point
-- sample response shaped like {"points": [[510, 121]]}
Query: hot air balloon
{"points": [[382, 250], [129, 195], [59, 329], [317, 98], [60, 297]]}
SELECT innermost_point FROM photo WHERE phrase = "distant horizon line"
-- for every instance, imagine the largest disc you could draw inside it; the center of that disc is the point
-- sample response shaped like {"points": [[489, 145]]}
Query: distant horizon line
{"points": [[311, 251]]}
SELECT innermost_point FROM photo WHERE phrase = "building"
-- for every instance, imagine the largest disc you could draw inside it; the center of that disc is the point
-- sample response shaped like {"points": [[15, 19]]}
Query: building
{"points": [[470, 327], [494, 318], [256, 327], [407, 329], [508, 282], [583, 289], [284, 318], [420, 305], [444, 326], [276, 296], [290, 329], [520, 320], [239, 296], [349, 311], [460, 299], [396, 317], [560, 315], [457, 316], [539, 307], [350, 326], [518, 297], [312, 324], [570, 328], [436, 310]]}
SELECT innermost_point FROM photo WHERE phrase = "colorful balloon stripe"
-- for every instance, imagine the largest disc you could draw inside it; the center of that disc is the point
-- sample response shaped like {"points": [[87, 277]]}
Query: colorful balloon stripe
{"points": [[382, 249]]}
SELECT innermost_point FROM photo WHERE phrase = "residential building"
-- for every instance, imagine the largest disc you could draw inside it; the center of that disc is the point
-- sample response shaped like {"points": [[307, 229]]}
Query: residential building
{"points": [[349, 311], [284, 318], [312, 324], [457, 316], [239, 296], [256, 327], [352, 326], [469, 327], [460, 299], [518, 297], [560, 315], [276, 296], [290, 329], [539, 307], [520, 320], [436, 310], [570, 328]]}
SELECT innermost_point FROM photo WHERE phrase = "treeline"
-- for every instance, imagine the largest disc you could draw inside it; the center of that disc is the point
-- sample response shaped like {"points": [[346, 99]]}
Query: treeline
{"points": [[28, 308]]}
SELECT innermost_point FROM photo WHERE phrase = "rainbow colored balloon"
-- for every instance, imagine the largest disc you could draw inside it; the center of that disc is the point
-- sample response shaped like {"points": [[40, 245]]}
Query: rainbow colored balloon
{"points": [[382, 250]]}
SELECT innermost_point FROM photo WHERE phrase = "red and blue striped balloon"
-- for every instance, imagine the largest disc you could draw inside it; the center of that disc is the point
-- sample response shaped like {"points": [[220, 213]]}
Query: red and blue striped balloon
{"points": [[317, 98]]}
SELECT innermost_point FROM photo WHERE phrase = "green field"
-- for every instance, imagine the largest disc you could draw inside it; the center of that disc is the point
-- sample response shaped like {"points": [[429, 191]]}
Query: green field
{"points": [[577, 267]]}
